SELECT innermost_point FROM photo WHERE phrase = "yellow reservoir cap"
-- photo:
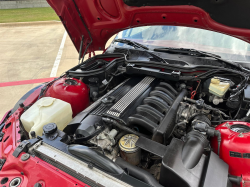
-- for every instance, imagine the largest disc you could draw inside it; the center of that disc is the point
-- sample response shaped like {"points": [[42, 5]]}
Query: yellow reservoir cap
{"points": [[127, 143], [218, 88], [215, 81]]}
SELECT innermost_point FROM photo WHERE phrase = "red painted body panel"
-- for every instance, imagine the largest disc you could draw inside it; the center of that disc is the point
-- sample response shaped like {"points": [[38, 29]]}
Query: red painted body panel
{"points": [[12, 126], [76, 95], [234, 142], [36, 170], [105, 20], [33, 170]]}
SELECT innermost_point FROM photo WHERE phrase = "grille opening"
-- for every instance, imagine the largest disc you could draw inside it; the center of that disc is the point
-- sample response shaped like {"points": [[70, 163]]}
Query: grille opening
{"points": [[4, 180], [240, 128]]}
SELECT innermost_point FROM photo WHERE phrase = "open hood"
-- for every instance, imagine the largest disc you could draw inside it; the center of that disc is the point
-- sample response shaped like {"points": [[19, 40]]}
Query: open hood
{"points": [[97, 20]]}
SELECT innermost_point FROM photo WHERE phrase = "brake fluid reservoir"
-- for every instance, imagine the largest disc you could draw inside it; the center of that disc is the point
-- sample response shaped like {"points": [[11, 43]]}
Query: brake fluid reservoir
{"points": [[46, 110], [218, 88]]}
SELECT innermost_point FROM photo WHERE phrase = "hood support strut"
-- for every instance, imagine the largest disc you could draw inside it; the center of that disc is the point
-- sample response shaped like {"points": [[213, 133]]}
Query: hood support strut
{"points": [[91, 40]]}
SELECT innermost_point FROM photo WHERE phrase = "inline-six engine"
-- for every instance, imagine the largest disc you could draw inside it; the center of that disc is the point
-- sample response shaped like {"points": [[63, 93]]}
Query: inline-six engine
{"points": [[141, 106]]}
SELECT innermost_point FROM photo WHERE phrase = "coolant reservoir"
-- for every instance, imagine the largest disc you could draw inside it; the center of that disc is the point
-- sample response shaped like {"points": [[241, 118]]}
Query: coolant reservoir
{"points": [[72, 91], [218, 88], [46, 110]]}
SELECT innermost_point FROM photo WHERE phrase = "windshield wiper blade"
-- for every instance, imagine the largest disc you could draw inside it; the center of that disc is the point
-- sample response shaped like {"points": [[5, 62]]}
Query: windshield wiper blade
{"points": [[140, 46], [132, 43], [187, 51]]}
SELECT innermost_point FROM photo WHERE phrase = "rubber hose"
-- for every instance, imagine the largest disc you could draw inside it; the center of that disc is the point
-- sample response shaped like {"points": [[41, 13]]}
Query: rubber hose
{"points": [[235, 179], [122, 127], [218, 135], [138, 173]]}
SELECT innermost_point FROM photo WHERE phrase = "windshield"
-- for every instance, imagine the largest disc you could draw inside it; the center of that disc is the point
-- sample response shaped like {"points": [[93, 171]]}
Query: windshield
{"points": [[228, 47]]}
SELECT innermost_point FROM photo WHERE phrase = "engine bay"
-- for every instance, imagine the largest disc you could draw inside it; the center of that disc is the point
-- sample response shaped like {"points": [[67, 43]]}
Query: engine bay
{"points": [[145, 124]]}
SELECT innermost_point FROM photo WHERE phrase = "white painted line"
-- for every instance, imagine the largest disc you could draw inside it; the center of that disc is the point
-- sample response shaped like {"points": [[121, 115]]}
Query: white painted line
{"points": [[58, 57]]}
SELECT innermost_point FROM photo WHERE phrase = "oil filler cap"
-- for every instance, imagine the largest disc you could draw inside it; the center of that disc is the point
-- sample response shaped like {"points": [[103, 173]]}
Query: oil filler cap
{"points": [[49, 128]]}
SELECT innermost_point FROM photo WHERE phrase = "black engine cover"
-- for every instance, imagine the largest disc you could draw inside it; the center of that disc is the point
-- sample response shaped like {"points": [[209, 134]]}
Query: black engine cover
{"points": [[142, 103]]}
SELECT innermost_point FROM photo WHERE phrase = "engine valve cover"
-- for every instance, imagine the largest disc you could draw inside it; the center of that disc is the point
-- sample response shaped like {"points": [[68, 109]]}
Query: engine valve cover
{"points": [[145, 104]]}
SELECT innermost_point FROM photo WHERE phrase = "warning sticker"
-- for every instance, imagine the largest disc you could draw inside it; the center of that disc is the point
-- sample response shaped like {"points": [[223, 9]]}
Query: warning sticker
{"points": [[235, 154], [246, 155]]}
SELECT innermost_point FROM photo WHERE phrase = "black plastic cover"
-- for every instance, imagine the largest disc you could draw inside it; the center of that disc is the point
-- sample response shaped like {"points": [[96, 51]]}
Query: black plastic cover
{"points": [[216, 173], [101, 72], [173, 171], [247, 94], [88, 127], [211, 171], [151, 146]]}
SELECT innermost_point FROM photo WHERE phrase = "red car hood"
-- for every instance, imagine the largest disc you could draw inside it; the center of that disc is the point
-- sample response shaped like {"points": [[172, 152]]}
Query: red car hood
{"points": [[97, 20]]}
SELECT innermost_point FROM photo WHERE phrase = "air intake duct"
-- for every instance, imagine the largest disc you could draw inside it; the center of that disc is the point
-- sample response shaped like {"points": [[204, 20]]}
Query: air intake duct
{"points": [[193, 149]]}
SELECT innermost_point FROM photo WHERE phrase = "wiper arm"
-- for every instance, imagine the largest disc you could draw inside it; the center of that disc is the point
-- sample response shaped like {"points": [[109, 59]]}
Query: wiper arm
{"points": [[194, 52], [187, 51], [244, 68], [140, 46], [131, 43]]}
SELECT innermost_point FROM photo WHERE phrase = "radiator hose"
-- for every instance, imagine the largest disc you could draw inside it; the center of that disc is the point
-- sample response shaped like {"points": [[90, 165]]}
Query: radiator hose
{"points": [[138, 173]]}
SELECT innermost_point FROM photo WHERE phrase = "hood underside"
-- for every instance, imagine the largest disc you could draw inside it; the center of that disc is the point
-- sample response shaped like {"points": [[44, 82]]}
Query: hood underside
{"points": [[97, 20]]}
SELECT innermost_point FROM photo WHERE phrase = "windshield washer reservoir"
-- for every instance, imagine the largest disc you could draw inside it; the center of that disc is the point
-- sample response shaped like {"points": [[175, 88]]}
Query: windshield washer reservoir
{"points": [[44, 111]]}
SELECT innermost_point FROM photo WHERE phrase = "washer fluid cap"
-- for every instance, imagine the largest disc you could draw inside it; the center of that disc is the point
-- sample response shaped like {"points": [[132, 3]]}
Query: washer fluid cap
{"points": [[47, 101], [127, 143], [50, 128]]}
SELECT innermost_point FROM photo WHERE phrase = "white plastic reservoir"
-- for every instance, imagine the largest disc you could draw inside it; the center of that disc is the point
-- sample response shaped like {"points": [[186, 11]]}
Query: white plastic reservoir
{"points": [[46, 110]]}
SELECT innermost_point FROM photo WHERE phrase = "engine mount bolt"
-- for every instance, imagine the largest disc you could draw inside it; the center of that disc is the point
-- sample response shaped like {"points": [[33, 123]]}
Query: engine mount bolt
{"points": [[25, 157]]}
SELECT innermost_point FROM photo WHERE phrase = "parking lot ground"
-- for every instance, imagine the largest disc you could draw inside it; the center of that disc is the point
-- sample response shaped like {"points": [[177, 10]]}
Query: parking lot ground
{"points": [[28, 52]]}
